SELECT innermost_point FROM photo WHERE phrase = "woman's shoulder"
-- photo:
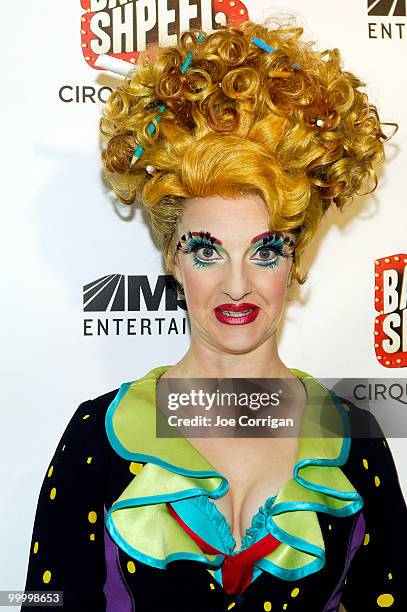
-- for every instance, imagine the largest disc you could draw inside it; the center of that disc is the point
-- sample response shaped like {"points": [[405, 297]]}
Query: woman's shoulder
{"points": [[370, 464], [102, 402], [85, 429], [94, 409]]}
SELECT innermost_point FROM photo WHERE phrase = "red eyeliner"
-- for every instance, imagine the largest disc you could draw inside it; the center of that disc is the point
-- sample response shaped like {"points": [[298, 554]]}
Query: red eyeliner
{"points": [[260, 236]]}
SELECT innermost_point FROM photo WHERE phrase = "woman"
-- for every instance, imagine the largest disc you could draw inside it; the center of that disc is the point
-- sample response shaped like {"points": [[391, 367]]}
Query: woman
{"points": [[236, 143]]}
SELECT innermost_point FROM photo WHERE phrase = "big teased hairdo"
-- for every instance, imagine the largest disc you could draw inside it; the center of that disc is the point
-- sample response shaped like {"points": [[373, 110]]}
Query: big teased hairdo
{"points": [[291, 126]]}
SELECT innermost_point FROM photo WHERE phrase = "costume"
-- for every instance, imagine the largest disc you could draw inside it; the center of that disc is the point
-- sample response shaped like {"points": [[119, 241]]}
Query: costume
{"points": [[125, 520]]}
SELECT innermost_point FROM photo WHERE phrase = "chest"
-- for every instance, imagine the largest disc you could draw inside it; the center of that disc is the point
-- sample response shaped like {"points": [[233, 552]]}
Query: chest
{"points": [[256, 470]]}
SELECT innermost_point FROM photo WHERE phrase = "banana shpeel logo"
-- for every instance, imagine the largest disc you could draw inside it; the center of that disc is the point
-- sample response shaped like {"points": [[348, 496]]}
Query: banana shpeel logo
{"points": [[390, 329], [123, 28]]}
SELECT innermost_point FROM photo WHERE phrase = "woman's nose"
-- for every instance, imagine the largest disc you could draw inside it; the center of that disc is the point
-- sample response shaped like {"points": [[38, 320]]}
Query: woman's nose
{"points": [[236, 282]]}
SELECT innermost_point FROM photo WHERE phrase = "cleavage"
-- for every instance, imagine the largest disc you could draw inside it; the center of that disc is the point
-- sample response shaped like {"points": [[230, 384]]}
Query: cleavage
{"points": [[250, 488]]}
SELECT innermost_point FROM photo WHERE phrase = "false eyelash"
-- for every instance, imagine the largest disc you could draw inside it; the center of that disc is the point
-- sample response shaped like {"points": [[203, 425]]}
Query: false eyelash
{"points": [[269, 242], [277, 243], [196, 242], [277, 248], [204, 236], [273, 242]]}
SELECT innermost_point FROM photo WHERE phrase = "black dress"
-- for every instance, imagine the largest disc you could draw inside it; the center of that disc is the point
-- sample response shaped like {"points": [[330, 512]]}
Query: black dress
{"points": [[351, 550]]}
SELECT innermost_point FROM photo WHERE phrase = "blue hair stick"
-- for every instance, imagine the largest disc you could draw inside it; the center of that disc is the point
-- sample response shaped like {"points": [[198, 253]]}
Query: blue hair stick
{"points": [[151, 128], [263, 45]]}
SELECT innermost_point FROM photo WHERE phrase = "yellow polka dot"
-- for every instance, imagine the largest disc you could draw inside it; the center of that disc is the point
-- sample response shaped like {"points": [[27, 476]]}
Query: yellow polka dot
{"points": [[329, 526], [92, 516], [92, 537], [232, 605], [377, 481], [51, 469], [85, 417], [46, 577], [295, 592], [212, 586], [385, 601], [267, 606], [53, 493], [63, 448], [366, 539], [135, 467], [285, 606], [131, 568], [389, 575], [35, 548], [88, 460], [365, 464]]}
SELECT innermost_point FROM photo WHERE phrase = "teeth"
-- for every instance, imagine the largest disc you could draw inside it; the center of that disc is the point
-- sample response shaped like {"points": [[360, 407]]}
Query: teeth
{"points": [[236, 314]]}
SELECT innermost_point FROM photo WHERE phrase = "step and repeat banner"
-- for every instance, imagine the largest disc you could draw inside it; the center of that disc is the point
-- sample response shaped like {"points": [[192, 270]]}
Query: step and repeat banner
{"points": [[87, 304]]}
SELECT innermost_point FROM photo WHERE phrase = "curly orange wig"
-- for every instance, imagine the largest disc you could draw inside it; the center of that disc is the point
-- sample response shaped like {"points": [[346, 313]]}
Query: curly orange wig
{"points": [[291, 126]]}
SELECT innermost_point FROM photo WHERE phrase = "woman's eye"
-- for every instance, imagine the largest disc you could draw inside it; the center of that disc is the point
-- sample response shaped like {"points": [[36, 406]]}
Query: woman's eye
{"points": [[265, 253], [205, 251]]}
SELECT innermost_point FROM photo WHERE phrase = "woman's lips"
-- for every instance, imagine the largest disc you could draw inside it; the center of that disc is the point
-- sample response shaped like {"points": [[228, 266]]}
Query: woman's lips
{"points": [[235, 314]]}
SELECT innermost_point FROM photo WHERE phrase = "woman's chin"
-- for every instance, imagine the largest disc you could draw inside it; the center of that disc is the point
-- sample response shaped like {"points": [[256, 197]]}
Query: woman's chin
{"points": [[236, 339]]}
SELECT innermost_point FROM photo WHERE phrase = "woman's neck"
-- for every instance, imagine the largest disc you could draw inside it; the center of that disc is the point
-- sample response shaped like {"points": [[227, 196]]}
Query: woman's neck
{"points": [[213, 364]]}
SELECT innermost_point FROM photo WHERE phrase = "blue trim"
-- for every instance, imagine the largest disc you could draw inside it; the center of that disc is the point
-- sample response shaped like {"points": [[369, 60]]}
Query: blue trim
{"points": [[339, 512], [218, 576], [338, 461], [130, 456], [295, 574], [293, 541], [195, 511], [153, 561], [135, 502]]}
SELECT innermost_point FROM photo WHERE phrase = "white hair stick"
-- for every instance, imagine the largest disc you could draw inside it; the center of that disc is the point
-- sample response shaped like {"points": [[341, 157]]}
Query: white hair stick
{"points": [[114, 64]]}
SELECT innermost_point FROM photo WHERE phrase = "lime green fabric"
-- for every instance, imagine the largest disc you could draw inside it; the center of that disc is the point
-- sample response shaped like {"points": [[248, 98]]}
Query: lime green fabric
{"points": [[140, 523]]}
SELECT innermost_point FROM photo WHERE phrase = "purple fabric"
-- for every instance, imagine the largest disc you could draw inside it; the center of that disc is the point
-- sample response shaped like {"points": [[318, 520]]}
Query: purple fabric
{"points": [[117, 593], [355, 540]]}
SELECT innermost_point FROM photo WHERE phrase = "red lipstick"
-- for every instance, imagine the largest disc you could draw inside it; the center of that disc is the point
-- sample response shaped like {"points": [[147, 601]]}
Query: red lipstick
{"points": [[223, 313]]}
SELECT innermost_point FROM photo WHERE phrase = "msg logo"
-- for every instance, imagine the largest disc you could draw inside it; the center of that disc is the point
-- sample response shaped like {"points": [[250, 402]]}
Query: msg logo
{"points": [[387, 8]]}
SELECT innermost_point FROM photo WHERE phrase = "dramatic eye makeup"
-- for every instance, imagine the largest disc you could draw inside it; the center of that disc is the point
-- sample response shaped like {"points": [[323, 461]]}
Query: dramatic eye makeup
{"points": [[203, 246], [275, 242], [192, 242]]}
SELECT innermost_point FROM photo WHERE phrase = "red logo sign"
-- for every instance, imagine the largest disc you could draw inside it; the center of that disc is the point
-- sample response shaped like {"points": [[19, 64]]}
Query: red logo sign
{"points": [[123, 28], [391, 304]]}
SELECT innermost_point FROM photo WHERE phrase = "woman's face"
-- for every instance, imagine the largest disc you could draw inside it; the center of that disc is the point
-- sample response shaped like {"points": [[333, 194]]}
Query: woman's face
{"points": [[227, 258]]}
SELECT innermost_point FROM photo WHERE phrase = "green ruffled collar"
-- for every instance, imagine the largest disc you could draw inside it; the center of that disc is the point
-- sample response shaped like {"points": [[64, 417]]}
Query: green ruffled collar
{"points": [[174, 471]]}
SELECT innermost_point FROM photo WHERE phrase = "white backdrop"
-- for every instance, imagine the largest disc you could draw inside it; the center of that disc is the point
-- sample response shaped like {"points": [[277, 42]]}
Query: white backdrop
{"points": [[61, 230]]}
